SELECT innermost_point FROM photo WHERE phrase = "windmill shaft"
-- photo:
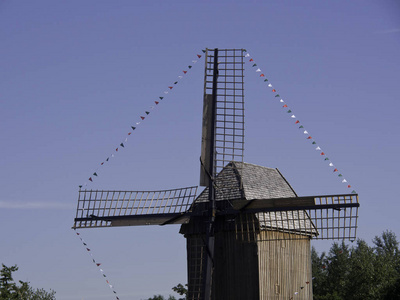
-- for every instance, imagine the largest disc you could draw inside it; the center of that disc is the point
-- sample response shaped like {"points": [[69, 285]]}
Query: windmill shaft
{"points": [[208, 259]]}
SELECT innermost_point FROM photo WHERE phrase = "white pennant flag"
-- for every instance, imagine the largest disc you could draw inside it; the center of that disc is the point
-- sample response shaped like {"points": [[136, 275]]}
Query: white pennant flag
{"points": [[258, 70], [180, 77], [305, 132], [270, 85], [126, 139], [293, 116], [194, 61], [318, 148], [247, 55], [281, 101], [166, 92], [331, 164], [344, 180]]}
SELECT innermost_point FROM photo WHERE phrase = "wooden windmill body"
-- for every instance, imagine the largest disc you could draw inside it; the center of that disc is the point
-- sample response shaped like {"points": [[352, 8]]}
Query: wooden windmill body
{"points": [[248, 233]]}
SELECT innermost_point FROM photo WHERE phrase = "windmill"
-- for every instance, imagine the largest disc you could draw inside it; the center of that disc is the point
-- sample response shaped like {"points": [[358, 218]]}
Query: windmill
{"points": [[248, 233]]}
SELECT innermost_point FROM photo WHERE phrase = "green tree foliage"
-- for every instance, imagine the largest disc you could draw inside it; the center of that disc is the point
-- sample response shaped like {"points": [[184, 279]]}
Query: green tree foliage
{"points": [[9, 290], [358, 272]]}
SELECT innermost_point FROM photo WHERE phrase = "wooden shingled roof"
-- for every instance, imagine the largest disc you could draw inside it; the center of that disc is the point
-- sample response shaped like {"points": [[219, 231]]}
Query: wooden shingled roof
{"points": [[248, 182]]}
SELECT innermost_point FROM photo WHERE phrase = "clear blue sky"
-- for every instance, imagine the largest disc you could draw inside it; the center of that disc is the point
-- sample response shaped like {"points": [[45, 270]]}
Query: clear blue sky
{"points": [[75, 75]]}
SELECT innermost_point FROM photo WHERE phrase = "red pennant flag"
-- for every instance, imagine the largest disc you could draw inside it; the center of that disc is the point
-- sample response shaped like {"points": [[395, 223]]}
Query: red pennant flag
{"points": [[251, 59], [307, 282], [170, 87], [90, 178], [297, 121], [185, 72], [98, 265], [274, 90], [262, 75], [102, 163], [116, 149], [309, 138], [87, 249], [284, 105], [322, 153], [142, 117], [156, 102], [335, 170], [77, 233], [349, 186], [198, 55], [129, 133]]}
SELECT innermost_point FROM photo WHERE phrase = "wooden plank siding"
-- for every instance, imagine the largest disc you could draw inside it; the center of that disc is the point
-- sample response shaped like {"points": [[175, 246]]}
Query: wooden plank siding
{"points": [[284, 266], [273, 267]]}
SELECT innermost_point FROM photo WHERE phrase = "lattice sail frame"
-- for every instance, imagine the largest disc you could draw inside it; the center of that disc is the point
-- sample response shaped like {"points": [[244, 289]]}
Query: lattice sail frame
{"points": [[229, 127], [328, 217], [100, 208]]}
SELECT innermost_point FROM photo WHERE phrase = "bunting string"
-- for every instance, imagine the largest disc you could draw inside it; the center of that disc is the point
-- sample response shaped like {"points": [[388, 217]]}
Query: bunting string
{"points": [[98, 264], [298, 124], [140, 119]]}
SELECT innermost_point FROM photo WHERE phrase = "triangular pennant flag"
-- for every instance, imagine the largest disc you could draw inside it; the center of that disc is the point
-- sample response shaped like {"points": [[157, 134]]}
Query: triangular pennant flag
{"points": [[285, 105], [258, 70], [344, 180], [122, 145], [194, 61], [247, 55], [265, 79], [189, 67], [161, 98], [309, 138], [103, 161], [322, 153], [331, 164], [133, 128], [293, 116], [314, 143], [90, 178], [142, 117], [107, 159], [318, 148], [262, 75], [274, 90], [198, 55], [301, 126], [112, 155], [307, 282], [77, 233], [335, 170], [166, 92], [340, 175], [270, 85], [104, 275], [147, 112], [95, 174], [353, 192], [251, 59], [80, 186], [93, 260], [87, 249], [84, 244], [176, 82], [305, 132], [204, 51], [98, 264], [156, 102], [326, 158], [254, 65], [170, 87], [101, 270], [180, 76], [349, 186], [289, 111], [297, 122], [116, 149], [184, 72], [277, 95], [281, 101]]}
